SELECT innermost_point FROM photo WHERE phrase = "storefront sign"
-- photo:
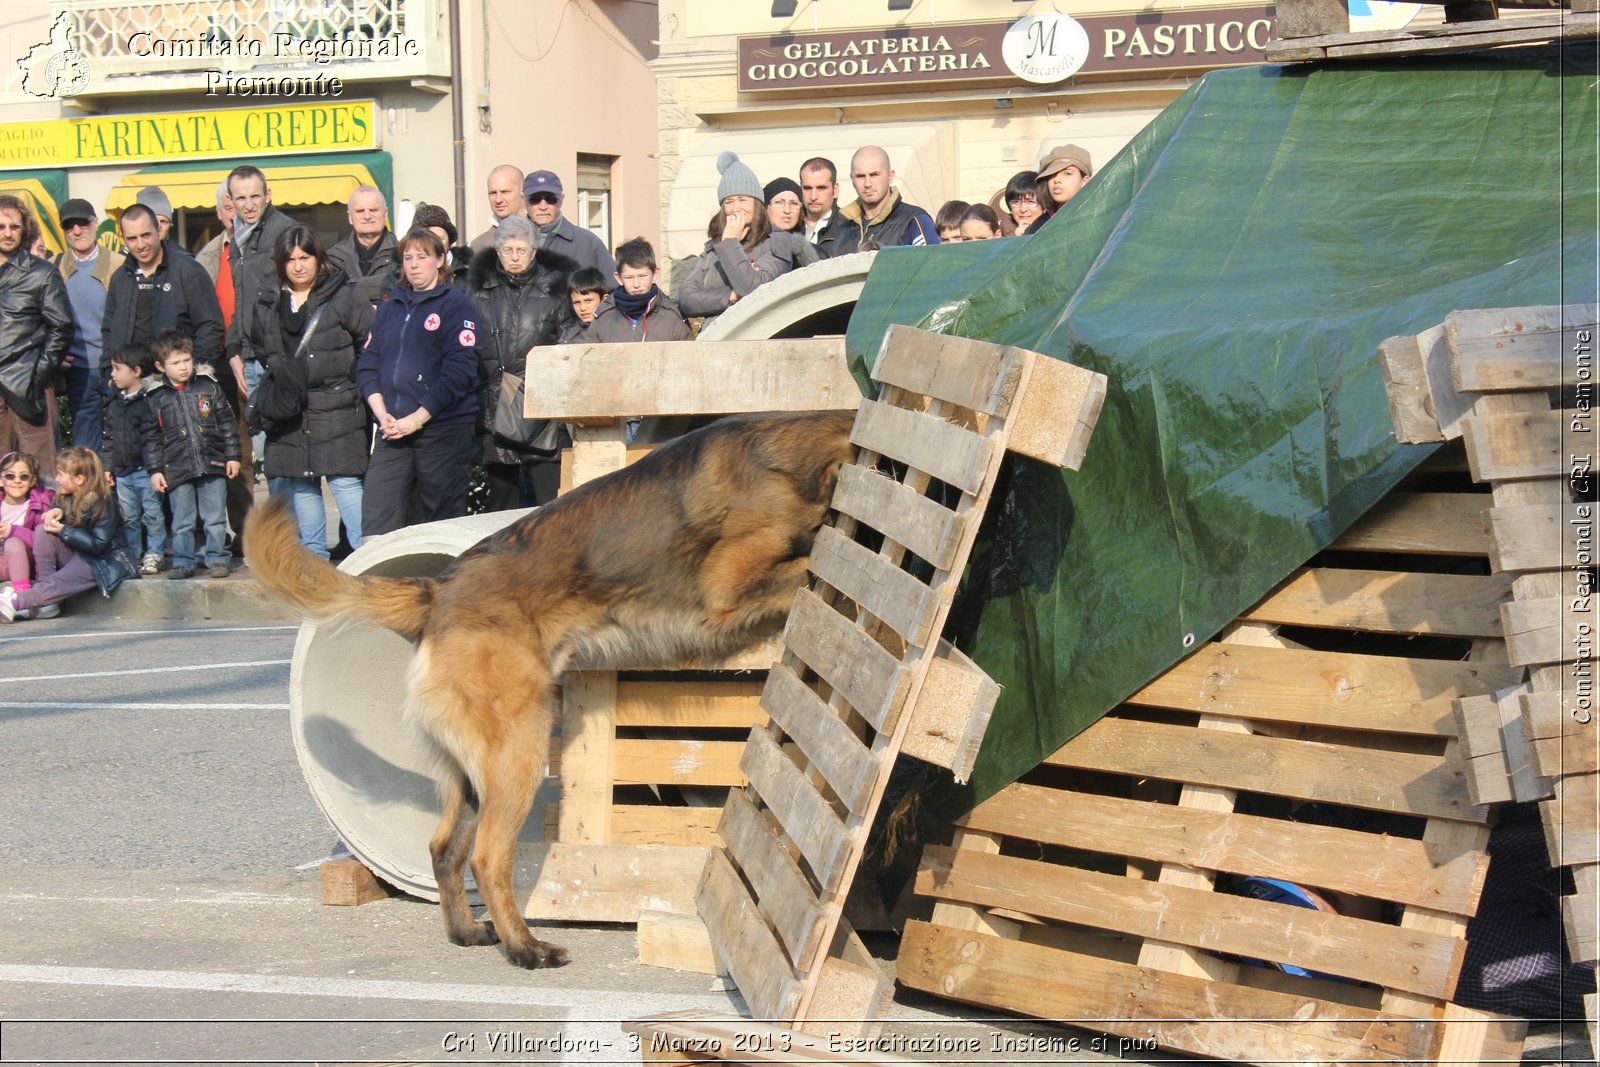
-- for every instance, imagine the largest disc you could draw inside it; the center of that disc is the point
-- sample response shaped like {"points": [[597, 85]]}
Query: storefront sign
{"points": [[1041, 49], [334, 126]]}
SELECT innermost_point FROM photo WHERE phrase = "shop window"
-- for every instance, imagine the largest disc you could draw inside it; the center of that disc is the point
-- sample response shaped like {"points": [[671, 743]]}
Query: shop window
{"points": [[594, 195]]}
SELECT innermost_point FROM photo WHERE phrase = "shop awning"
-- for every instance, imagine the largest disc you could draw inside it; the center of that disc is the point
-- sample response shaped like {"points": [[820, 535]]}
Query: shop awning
{"points": [[43, 191], [304, 180], [922, 155]]}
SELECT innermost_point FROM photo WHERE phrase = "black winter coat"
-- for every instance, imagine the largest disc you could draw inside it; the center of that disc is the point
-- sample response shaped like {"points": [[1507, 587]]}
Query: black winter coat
{"points": [[517, 314], [185, 300], [127, 424], [195, 432], [102, 545], [35, 332], [331, 437], [255, 276]]}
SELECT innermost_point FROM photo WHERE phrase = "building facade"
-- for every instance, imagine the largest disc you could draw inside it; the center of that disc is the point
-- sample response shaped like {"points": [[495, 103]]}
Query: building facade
{"points": [[418, 97]]}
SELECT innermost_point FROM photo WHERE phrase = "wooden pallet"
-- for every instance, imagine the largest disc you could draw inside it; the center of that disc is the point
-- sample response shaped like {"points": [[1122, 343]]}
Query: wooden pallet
{"points": [[1094, 890], [862, 668], [1462, 36], [1516, 385]]}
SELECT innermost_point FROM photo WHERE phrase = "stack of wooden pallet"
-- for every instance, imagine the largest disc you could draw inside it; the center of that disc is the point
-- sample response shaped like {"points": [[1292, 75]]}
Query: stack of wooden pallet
{"points": [[1517, 386], [1270, 853], [1320, 29]]}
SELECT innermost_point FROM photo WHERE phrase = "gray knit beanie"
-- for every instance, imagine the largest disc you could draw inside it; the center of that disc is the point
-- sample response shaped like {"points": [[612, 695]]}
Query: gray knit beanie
{"points": [[737, 179]]}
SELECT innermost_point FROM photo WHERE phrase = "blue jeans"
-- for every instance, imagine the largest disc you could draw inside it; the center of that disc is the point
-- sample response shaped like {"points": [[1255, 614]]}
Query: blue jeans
{"points": [[209, 495], [258, 441], [141, 505], [305, 496], [86, 392]]}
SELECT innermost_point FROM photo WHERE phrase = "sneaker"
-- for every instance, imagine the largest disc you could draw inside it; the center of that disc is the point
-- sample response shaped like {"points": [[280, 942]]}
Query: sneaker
{"points": [[178, 574], [218, 570], [8, 604], [150, 564], [45, 611]]}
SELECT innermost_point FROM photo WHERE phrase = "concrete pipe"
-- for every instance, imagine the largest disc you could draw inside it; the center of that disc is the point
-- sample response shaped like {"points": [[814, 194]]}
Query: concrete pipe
{"points": [[813, 301], [367, 768]]}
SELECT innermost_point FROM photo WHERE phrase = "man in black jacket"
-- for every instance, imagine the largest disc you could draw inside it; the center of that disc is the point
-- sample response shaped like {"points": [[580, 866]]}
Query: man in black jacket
{"points": [[256, 228], [35, 332], [879, 218], [159, 288], [367, 254]]}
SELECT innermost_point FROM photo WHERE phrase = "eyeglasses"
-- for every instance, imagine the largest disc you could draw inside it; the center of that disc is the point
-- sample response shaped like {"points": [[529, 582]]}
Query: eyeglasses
{"points": [[77, 224], [14, 476], [544, 198]]}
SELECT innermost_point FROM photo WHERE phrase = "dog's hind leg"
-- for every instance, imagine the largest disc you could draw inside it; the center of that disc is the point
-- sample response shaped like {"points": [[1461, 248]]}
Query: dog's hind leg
{"points": [[450, 847]]}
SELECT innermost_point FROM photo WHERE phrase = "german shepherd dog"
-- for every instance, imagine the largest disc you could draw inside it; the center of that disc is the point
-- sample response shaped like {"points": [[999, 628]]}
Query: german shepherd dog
{"points": [[692, 553]]}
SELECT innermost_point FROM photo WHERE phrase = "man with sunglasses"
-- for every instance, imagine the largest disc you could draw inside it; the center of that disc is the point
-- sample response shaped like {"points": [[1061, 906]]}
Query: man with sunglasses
{"points": [[554, 232], [35, 333], [87, 269]]}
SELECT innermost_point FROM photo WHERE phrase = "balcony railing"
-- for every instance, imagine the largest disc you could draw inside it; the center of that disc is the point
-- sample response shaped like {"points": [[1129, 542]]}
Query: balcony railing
{"points": [[161, 45]]}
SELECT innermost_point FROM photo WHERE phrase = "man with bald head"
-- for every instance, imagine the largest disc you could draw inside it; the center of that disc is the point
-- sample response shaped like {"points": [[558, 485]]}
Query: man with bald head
{"points": [[368, 254], [879, 218], [505, 200]]}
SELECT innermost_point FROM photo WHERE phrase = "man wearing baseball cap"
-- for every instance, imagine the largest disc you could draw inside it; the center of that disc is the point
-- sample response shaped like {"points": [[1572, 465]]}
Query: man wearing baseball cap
{"points": [[1062, 172], [554, 232], [87, 269]]}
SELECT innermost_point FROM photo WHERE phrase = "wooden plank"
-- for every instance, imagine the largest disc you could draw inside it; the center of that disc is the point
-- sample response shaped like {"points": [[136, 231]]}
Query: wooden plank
{"points": [[1477, 722], [830, 746], [663, 824], [959, 916], [742, 940], [1487, 780], [1058, 413], [810, 821], [1540, 537], [589, 700], [1394, 602], [979, 375], [674, 705], [1405, 380], [1370, 865], [1470, 1038], [1448, 524], [631, 455], [1500, 349], [1571, 823], [1526, 785], [558, 882], [953, 454], [646, 761], [1180, 1012], [783, 895], [1515, 447], [1534, 632], [1316, 940], [605, 380], [903, 603], [1580, 919], [952, 713], [1304, 770], [598, 449], [347, 882], [679, 942], [1302, 686], [1559, 745], [856, 666], [1467, 37], [926, 527], [852, 992]]}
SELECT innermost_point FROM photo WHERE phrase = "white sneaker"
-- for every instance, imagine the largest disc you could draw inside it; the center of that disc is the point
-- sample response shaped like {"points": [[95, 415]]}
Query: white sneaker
{"points": [[45, 611], [151, 564], [8, 604]]}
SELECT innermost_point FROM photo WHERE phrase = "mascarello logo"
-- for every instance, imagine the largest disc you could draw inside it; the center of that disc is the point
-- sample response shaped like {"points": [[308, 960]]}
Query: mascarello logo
{"points": [[55, 68], [1378, 15]]}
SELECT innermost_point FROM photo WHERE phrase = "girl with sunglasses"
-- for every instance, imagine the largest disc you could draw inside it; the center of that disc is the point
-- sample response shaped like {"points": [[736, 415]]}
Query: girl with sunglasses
{"points": [[78, 544], [22, 505]]}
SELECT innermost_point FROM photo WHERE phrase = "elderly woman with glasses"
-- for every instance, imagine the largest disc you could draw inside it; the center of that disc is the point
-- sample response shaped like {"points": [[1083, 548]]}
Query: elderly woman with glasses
{"points": [[521, 296]]}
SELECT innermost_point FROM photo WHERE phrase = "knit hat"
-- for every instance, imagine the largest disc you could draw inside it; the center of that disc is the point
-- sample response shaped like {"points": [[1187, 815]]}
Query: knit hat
{"points": [[1063, 156], [737, 179], [783, 185], [154, 199]]}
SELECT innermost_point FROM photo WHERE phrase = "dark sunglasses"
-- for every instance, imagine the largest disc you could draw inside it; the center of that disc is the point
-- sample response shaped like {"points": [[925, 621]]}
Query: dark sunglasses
{"points": [[73, 224], [544, 198]]}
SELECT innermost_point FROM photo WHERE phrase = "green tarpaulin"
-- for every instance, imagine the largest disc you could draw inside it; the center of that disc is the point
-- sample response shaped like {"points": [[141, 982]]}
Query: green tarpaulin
{"points": [[1232, 272]]}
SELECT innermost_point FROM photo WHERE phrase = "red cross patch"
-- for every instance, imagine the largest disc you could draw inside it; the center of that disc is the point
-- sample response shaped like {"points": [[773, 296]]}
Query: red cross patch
{"points": [[468, 338], [431, 322]]}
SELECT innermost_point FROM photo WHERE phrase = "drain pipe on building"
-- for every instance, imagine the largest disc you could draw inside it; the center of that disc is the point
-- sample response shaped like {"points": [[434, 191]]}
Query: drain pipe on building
{"points": [[458, 133]]}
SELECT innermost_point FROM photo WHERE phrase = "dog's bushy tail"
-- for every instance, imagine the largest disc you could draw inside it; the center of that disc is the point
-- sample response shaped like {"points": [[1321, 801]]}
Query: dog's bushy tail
{"points": [[290, 572]]}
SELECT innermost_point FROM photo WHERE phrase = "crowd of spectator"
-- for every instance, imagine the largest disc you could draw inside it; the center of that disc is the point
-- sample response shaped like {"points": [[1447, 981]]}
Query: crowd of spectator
{"points": [[388, 366]]}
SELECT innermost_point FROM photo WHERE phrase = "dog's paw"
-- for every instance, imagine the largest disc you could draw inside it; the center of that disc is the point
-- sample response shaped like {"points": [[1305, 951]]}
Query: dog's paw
{"points": [[475, 935], [541, 954]]}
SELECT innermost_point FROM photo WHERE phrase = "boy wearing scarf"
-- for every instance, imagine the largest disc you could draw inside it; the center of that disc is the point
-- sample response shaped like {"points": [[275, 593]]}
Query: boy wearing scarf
{"points": [[637, 309]]}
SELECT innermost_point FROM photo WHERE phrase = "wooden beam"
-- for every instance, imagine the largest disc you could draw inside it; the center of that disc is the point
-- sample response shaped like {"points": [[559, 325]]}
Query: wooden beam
{"points": [[1500, 349], [1392, 602], [1434, 524]]}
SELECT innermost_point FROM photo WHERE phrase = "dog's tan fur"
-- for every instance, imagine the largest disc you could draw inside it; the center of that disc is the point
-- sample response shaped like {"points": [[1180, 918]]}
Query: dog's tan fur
{"points": [[693, 552]]}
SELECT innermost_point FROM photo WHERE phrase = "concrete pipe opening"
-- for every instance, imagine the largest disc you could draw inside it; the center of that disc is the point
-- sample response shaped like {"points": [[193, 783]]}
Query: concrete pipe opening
{"points": [[814, 301], [367, 768]]}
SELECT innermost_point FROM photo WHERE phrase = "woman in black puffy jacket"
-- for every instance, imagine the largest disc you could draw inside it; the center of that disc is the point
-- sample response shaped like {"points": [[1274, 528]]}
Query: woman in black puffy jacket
{"points": [[330, 437], [522, 298]]}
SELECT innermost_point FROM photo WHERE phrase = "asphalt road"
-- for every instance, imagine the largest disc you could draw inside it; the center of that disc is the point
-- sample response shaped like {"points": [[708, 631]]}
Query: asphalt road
{"points": [[160, 903]]}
